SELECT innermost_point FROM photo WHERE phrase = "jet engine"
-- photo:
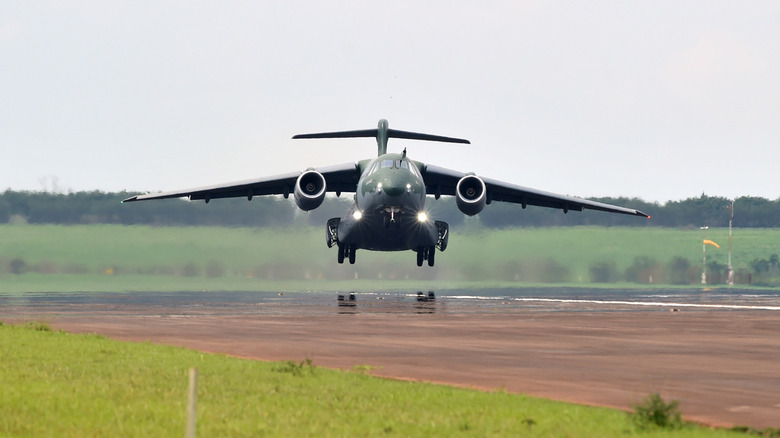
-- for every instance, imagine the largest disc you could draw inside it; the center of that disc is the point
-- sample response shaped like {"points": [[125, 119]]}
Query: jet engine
{"points": [[470, 194], [309, 190]]}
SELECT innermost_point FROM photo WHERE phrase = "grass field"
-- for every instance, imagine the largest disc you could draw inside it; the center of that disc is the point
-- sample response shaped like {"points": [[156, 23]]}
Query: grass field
{"points": [[60, 384], [130, 258]]}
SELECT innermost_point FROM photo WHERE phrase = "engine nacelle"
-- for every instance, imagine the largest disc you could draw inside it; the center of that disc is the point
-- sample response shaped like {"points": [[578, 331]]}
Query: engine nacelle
{"points": [[470, 194], [309, 190]]}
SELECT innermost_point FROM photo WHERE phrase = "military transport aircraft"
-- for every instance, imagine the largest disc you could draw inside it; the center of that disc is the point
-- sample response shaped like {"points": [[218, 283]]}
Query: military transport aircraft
{"points": [[388, 213]]}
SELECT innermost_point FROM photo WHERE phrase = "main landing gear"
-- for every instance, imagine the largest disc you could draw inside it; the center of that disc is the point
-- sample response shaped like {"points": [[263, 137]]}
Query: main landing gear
{"points": [[429, 252], [426, 253], [332, 238], [347, 252]]}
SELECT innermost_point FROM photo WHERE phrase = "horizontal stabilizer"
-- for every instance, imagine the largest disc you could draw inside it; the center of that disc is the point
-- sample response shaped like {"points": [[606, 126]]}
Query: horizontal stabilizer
{"points": [[370, 133], [382, 133], [391, 133], [394, 133]]}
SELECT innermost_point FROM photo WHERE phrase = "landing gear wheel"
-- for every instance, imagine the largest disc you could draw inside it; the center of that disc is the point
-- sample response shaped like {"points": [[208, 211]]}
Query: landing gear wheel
{"points": [[420, 256], [431, 254], [341, 254], [352, 250]]}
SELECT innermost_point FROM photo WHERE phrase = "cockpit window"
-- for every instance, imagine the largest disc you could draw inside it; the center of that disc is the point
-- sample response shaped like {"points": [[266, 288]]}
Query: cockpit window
{"points": [[414, 170], [393, 164]]}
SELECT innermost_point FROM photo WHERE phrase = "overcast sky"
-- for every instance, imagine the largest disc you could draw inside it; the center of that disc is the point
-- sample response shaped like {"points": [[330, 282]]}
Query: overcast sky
{"points": [[661, 100]]}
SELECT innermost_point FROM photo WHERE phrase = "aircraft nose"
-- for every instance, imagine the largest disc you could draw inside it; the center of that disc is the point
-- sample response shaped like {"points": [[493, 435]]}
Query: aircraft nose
{"points": [[391, 190], [391, 187]]}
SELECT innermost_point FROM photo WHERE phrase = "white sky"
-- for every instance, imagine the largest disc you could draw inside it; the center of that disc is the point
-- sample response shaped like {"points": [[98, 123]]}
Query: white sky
{"points": [[662, 100]]}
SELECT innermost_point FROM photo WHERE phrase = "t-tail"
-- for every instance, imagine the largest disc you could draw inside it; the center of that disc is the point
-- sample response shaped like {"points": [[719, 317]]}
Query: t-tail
{"points": [[382, 133]]}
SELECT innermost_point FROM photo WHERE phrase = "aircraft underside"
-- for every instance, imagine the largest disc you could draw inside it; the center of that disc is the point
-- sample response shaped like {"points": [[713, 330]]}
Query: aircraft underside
{"points": [[379, 233]]}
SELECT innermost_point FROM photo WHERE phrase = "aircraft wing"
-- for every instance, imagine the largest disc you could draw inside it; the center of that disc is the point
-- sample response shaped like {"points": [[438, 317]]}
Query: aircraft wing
{"points": [[339, 178], [441, 181]]}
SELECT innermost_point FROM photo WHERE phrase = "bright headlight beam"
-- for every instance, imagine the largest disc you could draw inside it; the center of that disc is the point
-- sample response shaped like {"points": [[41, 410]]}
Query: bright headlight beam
{"points": [[357, 215], [422, 216]]}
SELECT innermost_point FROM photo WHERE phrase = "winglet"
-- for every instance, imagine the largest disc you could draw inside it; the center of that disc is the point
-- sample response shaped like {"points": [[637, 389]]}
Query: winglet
{"points": [[382, 134]]}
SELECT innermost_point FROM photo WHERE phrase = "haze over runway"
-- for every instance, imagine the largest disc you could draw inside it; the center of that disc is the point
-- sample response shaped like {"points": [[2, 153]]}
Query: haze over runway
{"points": [[659, 100]]}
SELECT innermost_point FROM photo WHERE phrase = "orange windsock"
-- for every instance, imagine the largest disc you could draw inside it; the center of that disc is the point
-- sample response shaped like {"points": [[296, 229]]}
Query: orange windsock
{"points": [[710, 242]]}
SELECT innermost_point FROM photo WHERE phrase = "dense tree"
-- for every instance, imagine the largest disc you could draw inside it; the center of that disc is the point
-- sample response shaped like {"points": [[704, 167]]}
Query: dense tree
{"points": [[679, 271], [752, 212], [603, 272], [695, 212], [101, 207], [645, 270]]}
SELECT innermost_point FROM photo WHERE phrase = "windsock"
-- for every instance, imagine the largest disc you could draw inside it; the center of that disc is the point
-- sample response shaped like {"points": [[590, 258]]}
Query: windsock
{"points": [[710, 242]]}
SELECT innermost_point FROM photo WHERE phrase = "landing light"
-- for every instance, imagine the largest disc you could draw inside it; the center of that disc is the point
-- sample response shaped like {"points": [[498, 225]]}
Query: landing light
{"points": [[357, 215], [422, 216]]}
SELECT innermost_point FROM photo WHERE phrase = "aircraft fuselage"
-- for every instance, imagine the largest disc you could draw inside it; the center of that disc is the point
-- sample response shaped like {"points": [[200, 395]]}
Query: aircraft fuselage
{"points": [[389, 210]]}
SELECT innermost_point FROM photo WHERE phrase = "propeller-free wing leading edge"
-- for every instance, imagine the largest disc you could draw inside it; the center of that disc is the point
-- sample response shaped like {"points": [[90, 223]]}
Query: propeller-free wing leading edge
{"points": [[390, 191]]}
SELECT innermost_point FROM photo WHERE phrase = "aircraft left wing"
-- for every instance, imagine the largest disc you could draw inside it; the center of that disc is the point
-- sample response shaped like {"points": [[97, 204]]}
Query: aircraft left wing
{"points": [[441, 181], [339, 178]]}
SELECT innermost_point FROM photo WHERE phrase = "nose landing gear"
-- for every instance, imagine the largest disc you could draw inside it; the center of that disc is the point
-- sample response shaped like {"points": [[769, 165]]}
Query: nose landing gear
{"points": [[389, 218]]}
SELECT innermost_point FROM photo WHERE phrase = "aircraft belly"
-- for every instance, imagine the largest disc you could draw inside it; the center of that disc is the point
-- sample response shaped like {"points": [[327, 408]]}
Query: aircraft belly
{"points": [[371, 234]]}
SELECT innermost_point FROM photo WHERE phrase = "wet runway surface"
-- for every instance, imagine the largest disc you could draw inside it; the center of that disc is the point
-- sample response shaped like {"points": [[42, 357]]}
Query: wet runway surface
{"points": [[718, 351], [450, 301]]}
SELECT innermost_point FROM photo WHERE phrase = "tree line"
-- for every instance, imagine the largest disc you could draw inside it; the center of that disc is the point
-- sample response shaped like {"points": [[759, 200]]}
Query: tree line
{"points": [[98, 207]]}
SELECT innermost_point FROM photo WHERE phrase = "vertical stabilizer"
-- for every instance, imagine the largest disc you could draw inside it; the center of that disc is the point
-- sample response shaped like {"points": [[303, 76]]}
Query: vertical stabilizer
{"points": [[381, 137]]}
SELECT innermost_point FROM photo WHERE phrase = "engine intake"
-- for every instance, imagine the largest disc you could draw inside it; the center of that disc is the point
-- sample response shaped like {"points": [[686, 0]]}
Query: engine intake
{"points": [[470, 194], [309, 190]]}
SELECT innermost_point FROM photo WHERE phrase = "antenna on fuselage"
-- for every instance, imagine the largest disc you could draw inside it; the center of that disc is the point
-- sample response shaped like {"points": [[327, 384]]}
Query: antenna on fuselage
{"points": [[382, 134]]}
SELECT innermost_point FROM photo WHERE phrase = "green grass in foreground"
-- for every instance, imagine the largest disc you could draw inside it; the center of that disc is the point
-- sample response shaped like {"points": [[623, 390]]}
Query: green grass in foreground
{"points": [[60, 384]]}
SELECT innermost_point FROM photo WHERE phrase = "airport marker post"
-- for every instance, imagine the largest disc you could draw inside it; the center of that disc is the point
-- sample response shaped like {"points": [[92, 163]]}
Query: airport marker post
{"points": [[192, 403], [704, 255]]}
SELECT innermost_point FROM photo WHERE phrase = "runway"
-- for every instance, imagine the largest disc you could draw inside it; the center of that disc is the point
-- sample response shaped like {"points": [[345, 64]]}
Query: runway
{"points": [[717, 352]]}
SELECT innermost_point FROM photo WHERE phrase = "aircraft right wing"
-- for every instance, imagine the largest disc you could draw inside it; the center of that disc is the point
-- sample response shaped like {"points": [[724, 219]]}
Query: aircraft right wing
{"points": [[441, 181], [339, 178]]}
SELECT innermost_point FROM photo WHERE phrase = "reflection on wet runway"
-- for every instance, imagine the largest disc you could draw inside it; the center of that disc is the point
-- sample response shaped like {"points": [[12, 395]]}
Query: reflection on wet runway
{"points": [[518, 300]]}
